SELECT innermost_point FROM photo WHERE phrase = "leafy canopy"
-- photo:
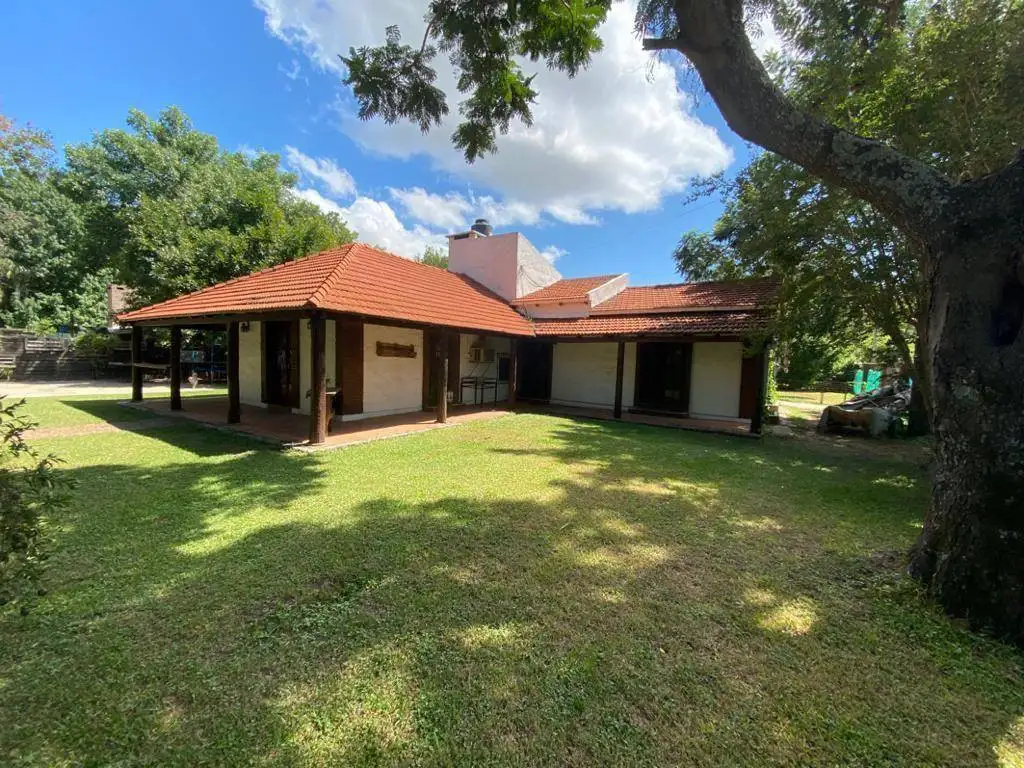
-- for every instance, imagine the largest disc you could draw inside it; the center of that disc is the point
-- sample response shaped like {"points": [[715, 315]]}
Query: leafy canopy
{"points": [[174, 212], [46, 279], [944, 82], [486, 43]]}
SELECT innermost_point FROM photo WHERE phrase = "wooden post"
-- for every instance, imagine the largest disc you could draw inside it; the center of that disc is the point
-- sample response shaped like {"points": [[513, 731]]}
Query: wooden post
{"points": [[442, 379], [513, 373], [756, 423], [175, 367], [234, 405], [620, 367], [318, 380], [136, 362]]}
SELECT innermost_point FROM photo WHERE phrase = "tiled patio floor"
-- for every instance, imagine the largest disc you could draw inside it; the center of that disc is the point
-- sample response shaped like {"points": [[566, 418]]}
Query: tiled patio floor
{"points": [[724, 426], [293, 429]]}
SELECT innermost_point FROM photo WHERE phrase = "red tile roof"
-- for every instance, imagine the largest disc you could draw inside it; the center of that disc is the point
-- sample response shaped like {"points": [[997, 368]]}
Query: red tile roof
{"points": [[354, 279], [569, 289], [692, 324], [358, 279], [736, 294]]}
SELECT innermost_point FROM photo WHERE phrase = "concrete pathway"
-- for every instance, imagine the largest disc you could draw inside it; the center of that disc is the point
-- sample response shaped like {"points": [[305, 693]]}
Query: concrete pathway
{"points": [[88, 387]]}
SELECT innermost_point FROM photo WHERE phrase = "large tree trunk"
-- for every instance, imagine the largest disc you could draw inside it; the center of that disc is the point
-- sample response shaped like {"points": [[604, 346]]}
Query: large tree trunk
{"points": [[971, 551]]}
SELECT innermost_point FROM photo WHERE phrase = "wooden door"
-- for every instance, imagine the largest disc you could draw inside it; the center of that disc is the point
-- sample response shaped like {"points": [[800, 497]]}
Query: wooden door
{"points": [[663, 376], [536, 362], [432, 340], [348, 348], [750, 381], [281, 363]]}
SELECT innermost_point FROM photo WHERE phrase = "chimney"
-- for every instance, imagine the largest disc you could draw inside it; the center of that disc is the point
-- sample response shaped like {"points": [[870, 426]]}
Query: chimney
{"points": [[508, 263]]}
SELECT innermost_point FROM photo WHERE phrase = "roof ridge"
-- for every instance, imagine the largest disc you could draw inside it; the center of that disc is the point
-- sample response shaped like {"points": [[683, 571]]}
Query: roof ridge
{"points": [[317, 297], [762, 278], [229, 281]]}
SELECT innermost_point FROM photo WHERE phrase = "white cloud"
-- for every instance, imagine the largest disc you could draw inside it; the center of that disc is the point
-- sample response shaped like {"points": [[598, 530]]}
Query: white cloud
{"points": [[553, 253], [292, 71], [338, 181], [620, 136], [377, 224], [764, 37], [451, 211]]}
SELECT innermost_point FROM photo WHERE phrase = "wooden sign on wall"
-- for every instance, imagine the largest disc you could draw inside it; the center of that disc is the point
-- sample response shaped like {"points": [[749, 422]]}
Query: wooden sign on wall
{"points": [[385, 349]]}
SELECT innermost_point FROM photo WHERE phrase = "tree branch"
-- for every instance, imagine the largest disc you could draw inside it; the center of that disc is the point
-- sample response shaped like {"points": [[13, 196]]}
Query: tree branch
{"points": [[713, 37], [662, 44]]}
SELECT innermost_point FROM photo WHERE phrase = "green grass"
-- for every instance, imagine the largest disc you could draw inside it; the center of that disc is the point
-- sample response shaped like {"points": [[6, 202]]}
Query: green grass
{"points": [[81, 410], [814, 398], [527, 590]]}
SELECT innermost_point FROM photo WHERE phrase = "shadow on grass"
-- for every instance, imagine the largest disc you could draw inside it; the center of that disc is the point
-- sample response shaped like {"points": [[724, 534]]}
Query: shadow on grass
{"points": [[666, 599]]}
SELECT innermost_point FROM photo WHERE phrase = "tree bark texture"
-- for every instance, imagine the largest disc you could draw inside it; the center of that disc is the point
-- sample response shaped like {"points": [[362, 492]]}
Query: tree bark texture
{"points": [[970, 236]]}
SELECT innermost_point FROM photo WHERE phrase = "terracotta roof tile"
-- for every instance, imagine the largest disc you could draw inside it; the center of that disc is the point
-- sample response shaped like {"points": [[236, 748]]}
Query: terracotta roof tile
{"points": [[690, 324], [736, 294], [568, 289], [354, 279]]}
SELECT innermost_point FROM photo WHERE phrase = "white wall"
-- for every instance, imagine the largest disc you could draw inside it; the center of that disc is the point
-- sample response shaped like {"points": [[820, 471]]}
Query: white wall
{"points": [[508, 264], [584, 374], [533, 271], [485, 370], [612, 288], [715, 379], [490, 261], [250, 366], [391, 384]]}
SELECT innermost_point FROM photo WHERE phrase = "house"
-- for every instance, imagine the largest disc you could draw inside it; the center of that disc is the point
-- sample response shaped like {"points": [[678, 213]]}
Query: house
{"points": [[366, 333]]}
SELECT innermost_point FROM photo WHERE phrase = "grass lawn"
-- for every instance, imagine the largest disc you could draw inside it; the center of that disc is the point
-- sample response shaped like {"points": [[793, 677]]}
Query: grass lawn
{"points": [[814, 398], [527, 590]]}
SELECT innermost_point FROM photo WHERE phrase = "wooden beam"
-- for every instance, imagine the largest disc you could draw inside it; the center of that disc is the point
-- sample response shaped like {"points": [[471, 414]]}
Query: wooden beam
{"points": [[234, 403], [318, 380], [620, 367], [442, 380], [757, 421], [136, 358], [175, 368], [513, 372]]}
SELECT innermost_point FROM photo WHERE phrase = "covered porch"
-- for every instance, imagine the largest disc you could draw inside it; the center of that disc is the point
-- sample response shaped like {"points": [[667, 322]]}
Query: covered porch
{"points": [[292, 429], [310, 384]]}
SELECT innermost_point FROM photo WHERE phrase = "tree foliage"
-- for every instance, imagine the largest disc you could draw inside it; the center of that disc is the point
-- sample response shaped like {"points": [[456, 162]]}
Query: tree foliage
{"points": [[881, 70], [30, 490], [174, 212], [435, 257], [46, 277]]}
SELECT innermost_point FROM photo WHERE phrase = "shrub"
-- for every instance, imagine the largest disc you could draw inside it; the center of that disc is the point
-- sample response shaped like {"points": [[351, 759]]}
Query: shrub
{"points": [[30, 489]]}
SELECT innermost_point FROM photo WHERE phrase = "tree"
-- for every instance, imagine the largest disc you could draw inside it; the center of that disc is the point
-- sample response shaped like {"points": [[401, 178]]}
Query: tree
{"points": [[967, 233], [175, 213], [435, 257], [30, 489], [845, 271], [858, 69], [44, 282]]}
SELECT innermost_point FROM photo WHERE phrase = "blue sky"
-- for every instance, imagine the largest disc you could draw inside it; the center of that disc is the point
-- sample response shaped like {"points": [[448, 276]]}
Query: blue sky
{"points": [[597, 183]]}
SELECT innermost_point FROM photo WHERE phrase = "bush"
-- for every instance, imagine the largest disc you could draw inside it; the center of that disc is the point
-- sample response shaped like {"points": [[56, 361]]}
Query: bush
{"points": [[30, 489]]}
